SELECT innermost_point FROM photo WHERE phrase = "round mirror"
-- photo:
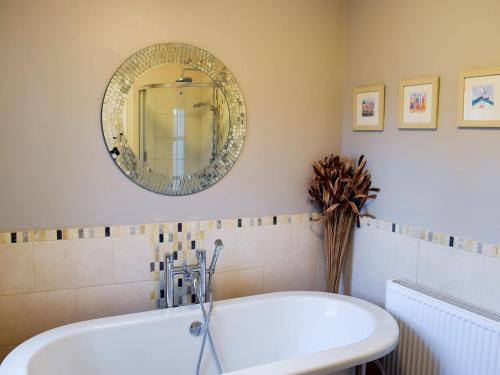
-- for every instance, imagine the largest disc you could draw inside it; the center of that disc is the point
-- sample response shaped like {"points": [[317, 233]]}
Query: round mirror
{"points": [[174, 119]]}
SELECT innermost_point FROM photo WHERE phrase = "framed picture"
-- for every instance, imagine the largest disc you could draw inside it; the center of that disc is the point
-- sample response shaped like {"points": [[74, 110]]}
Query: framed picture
{"points": [[368, 108], [479, 91], [418, 103]]}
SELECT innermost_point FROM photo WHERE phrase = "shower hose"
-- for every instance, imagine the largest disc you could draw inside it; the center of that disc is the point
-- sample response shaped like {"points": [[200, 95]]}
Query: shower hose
{"points": [[206, 321]]}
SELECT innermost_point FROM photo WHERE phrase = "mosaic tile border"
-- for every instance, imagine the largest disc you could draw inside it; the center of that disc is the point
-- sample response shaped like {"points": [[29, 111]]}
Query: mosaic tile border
{"points": [[187, 231], [440, 238], [185, 237], [163, 232]]}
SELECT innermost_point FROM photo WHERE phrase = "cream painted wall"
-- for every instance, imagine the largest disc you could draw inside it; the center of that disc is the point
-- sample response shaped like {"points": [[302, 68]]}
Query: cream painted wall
{"points": [[445, 180], [57, 57]]}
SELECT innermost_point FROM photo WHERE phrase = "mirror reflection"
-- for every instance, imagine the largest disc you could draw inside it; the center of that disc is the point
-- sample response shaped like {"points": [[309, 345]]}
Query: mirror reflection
{"points": [[175, 119]]}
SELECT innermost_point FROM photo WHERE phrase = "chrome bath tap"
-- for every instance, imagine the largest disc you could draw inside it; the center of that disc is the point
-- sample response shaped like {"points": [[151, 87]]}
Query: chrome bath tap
{"points": [[195, 276], [199, 269]]}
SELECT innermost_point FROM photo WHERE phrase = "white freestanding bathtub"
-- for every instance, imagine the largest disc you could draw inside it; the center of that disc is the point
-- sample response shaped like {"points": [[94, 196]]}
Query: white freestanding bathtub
{"points": [[270, 334]]}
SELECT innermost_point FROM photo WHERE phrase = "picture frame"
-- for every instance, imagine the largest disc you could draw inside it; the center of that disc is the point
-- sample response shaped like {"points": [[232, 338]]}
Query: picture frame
{"points": [[419, 103], [368, 104], [478, 98]]}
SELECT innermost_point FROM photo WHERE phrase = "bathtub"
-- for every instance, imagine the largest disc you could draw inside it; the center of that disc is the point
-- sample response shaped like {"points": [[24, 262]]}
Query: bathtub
{"points": [[269, 334]]}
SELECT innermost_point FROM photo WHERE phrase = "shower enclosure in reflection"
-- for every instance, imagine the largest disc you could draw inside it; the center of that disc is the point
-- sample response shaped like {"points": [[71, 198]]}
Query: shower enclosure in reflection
{"points": [[180, 122]]}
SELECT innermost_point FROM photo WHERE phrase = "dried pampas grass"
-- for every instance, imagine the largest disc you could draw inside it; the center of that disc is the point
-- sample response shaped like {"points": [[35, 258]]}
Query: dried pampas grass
{"points": [[340, 189]]}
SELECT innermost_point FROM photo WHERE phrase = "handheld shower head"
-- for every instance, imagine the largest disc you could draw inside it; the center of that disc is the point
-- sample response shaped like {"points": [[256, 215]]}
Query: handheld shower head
{"points": [[219, 246]]}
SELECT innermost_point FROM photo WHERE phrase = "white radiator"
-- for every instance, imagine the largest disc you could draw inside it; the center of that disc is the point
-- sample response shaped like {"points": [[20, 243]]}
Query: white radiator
{"points": [[440, 335]]}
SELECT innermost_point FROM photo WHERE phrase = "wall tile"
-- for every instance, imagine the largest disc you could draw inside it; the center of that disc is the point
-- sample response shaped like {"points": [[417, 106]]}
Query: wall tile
{"points": [[73, 263], [262, 246], [108, 300], [451, 271], [25, 315], [226, 257], [387, 252], [132, 256], [321, 283], [4, 350], [293, 276], [367, 283], [238, 283], [307, 240], [490, 293], [16, 268]]}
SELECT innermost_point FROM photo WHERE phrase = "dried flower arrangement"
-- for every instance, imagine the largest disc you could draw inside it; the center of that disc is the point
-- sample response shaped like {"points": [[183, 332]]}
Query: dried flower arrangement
{"points": [[340, 189]]}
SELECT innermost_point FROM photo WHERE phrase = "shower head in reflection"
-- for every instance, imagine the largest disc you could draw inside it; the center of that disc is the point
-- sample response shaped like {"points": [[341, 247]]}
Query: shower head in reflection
{"points": [[186, 79]]}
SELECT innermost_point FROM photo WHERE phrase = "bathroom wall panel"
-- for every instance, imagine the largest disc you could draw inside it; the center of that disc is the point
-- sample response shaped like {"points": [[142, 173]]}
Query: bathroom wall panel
{"points": [[490, 290], [107, 300], [307, 241], [366, 282], [291, 276], [451, 271], [25, 315], [16, 268], [73, 263], [262, 246], [130, 254], [386, 251], [321, 284], [240, 283], [470, 273]]}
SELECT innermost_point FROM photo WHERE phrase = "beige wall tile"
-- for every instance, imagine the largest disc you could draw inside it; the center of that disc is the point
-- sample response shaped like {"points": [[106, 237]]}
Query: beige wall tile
{"points": [[386, 252], [262, 246], [490, 294], [226, 257], [16, 268], [109, 300], [307, 240], [131, 258], [367, 283], [452, 271], [321, 284], [72, 263], [288, 277], [238, 283], [25, 315], [4, 350]]}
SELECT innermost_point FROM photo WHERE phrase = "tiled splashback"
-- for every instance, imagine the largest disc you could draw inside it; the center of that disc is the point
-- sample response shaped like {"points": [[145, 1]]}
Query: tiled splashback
{"points": [[180, 238], [466, 269], [54, 277], [183, 239]]}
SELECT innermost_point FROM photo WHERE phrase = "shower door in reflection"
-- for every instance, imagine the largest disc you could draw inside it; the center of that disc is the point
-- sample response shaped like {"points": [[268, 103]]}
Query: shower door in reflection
{"points": [[179, 127]]}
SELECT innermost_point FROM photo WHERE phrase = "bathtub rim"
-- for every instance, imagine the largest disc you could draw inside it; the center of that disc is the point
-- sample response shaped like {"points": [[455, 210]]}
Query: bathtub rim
{"points": [[379, 343]]}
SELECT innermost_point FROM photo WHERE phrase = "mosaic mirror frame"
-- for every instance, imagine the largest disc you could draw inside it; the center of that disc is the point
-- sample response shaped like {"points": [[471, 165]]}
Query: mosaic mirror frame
{"points": [[113, 109]]}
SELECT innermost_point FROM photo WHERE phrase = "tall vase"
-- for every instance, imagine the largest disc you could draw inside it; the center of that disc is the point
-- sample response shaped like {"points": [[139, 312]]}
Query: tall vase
{"points": [[337, 236]]}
